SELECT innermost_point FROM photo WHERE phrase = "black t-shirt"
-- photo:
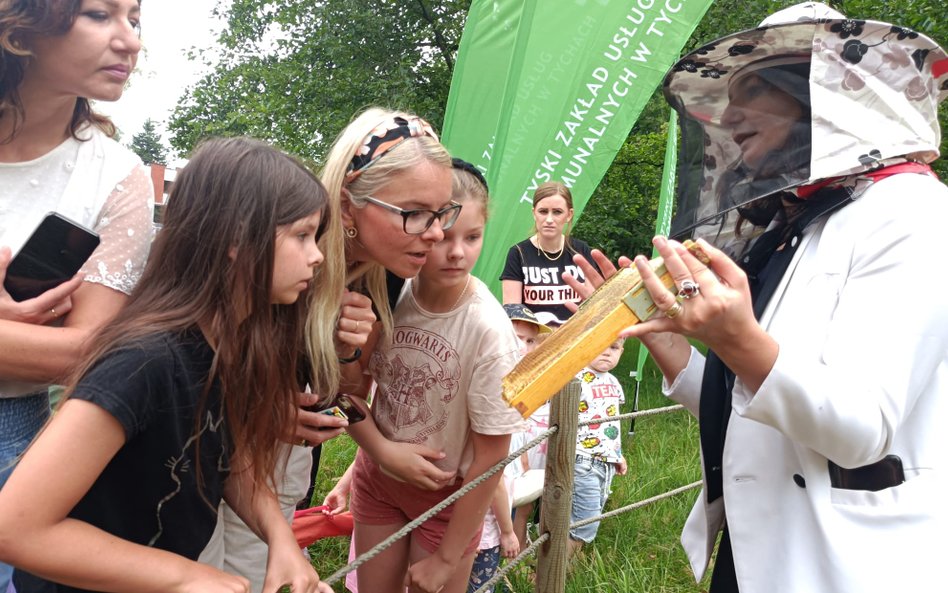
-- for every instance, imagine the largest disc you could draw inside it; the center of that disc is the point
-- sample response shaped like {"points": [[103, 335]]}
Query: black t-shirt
{"points": [[149, 492], [543, 286]]}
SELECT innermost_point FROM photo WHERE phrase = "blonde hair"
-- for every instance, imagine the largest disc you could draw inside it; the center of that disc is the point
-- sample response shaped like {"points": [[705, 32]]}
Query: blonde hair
{"points": [[333, 276], [465, 186]]}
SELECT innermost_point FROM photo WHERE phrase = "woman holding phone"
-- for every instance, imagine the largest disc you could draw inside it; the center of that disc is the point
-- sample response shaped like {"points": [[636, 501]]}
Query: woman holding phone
{"points": [[57, 155]]}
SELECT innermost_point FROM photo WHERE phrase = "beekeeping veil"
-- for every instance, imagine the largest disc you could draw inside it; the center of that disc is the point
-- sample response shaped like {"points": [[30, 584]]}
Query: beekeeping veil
{"points": [[868, 93]]}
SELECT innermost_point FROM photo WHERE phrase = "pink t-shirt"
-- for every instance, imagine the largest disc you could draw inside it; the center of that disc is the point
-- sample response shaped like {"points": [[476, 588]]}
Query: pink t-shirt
{"points": [[439, 377]]}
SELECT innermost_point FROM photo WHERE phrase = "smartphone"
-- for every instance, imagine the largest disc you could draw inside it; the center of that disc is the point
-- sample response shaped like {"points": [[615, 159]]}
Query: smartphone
{"points": [[353, 412], [343, 408], [335, 411], [53, 254], [885, 473]]}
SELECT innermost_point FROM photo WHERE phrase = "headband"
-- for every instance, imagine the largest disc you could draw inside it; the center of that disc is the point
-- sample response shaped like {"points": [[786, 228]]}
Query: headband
{"points": [[383, 138], [462, 165]]}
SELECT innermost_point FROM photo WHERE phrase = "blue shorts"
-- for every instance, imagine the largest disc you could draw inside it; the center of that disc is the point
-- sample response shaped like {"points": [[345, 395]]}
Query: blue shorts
{"points": [[485, 565], [591, 482]]}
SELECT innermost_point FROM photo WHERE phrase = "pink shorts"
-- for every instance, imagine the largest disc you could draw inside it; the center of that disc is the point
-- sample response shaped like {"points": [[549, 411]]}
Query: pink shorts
{"points": [[378, 499]]}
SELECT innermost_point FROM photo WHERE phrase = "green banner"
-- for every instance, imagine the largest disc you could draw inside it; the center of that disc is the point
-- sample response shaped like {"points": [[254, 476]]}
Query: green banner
{"points": [[548, 90], [663, 216]]}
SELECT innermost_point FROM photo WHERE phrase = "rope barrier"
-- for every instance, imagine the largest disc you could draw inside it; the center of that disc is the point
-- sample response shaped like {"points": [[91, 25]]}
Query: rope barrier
{"points": [[529, 550], [639, 414], [502, 571], [409, 527], [387, 542], [636, 505]]}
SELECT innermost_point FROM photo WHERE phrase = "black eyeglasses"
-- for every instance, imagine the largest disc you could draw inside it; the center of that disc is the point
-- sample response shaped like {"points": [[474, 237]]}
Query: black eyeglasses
{"points": [[415, 222]]}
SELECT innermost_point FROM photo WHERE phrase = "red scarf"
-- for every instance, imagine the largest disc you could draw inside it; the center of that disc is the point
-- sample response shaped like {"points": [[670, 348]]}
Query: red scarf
{"points": [[805, 191]]}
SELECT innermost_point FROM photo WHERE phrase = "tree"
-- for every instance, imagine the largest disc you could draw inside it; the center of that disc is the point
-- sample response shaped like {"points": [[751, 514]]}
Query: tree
{"points": [[330, 58], [148, 146]]}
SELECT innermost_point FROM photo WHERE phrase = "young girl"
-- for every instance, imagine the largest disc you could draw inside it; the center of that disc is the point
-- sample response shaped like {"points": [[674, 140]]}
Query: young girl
{"points": [[438, 381], [183, 394]]}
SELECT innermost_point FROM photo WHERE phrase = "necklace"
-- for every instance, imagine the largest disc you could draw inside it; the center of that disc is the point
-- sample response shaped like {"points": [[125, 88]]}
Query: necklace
{"points": [[460, 296], [541, 251], [457, 301]]}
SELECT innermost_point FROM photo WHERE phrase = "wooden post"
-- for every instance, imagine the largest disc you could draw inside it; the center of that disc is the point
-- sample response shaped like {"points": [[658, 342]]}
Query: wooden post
{"points": [[558, 490]]}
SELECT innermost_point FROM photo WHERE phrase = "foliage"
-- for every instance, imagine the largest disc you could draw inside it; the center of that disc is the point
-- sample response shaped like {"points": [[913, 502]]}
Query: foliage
{"points": [[620, 216], [293, 72], [148, 146]]}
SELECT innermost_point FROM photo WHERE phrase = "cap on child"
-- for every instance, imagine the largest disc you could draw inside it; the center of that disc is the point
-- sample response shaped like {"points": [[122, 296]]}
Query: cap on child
{"points": [[520, 312]]}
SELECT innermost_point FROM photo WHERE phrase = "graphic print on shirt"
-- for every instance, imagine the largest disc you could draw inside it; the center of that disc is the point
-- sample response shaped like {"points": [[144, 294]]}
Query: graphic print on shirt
{"points": [[601, 396], [182, 465], [416, 376], [544, 285]]}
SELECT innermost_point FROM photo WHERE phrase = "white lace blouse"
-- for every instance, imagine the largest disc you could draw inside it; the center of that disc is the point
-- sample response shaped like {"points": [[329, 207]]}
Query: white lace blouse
{"points": [[97, 183], [113, 199]]}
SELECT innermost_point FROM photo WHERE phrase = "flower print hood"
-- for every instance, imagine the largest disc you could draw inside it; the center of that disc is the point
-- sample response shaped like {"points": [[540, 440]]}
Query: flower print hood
{"points": [[868, 92]]}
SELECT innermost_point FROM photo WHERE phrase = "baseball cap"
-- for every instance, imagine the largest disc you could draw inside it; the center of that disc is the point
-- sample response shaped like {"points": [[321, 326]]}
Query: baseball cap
{"points": [[519, 312]]}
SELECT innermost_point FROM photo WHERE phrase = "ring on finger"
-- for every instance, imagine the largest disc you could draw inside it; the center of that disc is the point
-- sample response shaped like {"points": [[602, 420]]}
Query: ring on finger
{"points": [[675, 310], [689, 289]]}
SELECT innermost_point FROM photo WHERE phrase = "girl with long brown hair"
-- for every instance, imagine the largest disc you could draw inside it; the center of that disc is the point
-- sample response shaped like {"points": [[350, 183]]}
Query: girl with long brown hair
{"points": [[184, 393]]}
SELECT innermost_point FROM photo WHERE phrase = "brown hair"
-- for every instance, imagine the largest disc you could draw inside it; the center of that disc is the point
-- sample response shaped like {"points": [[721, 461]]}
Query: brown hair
{"points": [[555, 188], [231, 198], [552, 188], [20, 22]]}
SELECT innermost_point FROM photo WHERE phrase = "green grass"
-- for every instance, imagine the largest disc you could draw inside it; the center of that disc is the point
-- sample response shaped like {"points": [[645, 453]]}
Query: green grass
{"points": [[637, 551]]}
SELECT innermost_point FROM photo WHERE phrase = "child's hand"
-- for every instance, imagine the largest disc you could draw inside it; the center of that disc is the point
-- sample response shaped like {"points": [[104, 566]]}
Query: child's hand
{"points": [[509, 545], [287, 567], [429, 575], [410, 463], [338, 498], [622, 467]]}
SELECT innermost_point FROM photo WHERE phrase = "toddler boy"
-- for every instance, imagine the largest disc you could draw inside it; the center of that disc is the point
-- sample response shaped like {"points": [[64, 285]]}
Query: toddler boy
{"points": [[598, 446]]}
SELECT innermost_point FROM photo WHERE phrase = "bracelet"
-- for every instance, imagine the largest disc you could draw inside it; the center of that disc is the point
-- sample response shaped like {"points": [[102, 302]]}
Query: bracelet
{"points": [[350, 359]]}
